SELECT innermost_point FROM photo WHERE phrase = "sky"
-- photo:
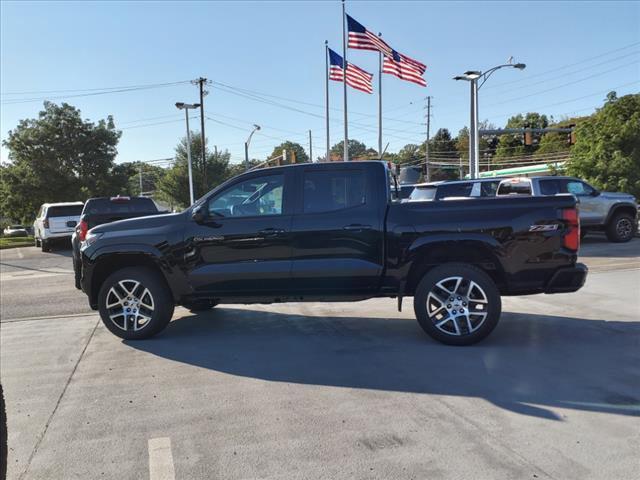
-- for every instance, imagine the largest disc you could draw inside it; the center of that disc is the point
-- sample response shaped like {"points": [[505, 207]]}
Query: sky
{"points": [[267, 62]]}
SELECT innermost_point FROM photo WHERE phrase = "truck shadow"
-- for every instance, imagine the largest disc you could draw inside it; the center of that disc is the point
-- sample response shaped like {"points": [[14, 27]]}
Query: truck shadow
{"points": [[531, 364]]}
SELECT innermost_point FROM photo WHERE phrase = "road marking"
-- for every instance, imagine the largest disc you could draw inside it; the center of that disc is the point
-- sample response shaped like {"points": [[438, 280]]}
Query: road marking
{"points": [[19, 252], [47, 317], [161, 459]]}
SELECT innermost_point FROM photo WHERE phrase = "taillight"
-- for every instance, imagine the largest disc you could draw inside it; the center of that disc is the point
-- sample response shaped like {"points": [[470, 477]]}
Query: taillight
{"points": [[572, 234], [45, 223], [81, 229]]}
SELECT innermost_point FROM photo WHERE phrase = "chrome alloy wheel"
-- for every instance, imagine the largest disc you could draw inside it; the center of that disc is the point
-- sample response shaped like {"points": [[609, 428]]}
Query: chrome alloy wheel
{"points": [[130, 305], [457, 306], [624, 228]]}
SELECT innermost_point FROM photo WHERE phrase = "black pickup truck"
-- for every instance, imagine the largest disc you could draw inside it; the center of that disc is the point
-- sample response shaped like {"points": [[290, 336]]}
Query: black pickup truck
{"points": [[330, 232]]}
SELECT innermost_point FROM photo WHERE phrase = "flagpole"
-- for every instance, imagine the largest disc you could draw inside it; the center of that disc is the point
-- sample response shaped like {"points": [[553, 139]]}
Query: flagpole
{"points": [[380, 101], [326, 92], [345, 156]]}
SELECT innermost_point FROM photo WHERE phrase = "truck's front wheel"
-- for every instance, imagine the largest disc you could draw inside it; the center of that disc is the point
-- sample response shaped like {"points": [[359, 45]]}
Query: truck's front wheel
{"points": [[135, 303], [621, 228], [457, 304]]}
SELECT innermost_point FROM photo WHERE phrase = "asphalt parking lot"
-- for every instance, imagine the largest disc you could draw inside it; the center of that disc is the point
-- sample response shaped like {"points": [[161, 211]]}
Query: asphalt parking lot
{"points": [[343, 390]]}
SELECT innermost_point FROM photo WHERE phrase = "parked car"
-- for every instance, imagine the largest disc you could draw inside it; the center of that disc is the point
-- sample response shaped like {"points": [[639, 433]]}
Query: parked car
{"points": [[15, 231], [55, 221], [614, 213], [100, 210], [483, 187], [330, 232]]}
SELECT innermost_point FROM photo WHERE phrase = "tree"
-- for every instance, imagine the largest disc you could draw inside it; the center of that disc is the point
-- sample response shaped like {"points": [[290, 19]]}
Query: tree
{"points": [[174, 185], [356, 149], [513, 145], [301, 155], [410, 153], [607, 149], [557, 142], [58, 157], [442, 148]]}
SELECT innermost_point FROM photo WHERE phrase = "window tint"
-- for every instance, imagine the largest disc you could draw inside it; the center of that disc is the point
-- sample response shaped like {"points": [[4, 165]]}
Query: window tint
{"points": [[335, 190], [104, 205], [423, 193], [549, 187], [515, 187], [255, 197], [488, 189], [454, 190], [65, 211]]}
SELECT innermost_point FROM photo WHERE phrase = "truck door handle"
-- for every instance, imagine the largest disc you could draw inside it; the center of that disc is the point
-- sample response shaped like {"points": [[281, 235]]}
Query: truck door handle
{"points": [[356, 227], [271, 232]]}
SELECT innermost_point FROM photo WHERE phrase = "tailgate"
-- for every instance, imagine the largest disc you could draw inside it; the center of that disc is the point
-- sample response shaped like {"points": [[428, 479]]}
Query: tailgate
{"points": [[59, 224]]}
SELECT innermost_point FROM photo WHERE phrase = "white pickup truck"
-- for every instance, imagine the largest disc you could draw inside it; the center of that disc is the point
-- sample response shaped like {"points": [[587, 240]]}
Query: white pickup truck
{"points": [[55, 221], [614, 213]]}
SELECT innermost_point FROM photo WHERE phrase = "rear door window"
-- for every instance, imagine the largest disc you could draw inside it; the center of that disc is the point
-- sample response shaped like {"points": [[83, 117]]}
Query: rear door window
{"points": [[549, 187], [64, 211], [327, 191], [454, 190], [423, 193], [515, 187], [488, 189]]}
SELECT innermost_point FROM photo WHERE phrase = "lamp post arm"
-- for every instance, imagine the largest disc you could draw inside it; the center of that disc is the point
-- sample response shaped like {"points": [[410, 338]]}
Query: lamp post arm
{"points": [[488, 73]]}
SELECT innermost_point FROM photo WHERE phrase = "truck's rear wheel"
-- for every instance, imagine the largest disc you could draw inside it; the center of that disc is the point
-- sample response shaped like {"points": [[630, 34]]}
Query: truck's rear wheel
{"points": [[621, 228], [135, 303], [457, 304]]}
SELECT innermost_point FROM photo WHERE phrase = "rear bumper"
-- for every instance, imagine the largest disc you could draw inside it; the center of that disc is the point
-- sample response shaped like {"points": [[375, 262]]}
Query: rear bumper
{"points": [[567, 279]]}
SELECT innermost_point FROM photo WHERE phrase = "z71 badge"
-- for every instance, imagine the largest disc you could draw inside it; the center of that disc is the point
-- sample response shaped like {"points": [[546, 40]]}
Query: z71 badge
{"points": [[543, 228]]}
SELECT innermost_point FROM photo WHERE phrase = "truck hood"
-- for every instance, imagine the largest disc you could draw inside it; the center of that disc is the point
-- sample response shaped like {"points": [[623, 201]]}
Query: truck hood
{"points": [[618, 196], [150, 221]]}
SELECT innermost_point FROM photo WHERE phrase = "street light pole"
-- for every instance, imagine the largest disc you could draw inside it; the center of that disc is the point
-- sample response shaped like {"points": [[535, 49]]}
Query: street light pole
{"points": [[473, 77], [186, 107], [246, 146]]}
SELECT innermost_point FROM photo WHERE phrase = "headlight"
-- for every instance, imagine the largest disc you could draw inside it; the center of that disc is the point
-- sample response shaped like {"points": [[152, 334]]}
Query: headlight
{"points": [[90, 239]]}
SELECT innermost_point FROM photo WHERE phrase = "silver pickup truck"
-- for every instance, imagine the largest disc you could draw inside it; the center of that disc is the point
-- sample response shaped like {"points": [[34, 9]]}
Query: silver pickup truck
{"points": [[614, 213]]}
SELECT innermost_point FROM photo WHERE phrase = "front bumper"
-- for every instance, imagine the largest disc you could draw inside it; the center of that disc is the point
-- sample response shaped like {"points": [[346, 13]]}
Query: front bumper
{"points": [[567, 279]]}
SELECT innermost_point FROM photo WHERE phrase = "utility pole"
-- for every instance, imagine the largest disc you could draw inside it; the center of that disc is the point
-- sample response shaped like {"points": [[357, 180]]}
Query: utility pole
{"points": [[140, 178], [310, 148], [201, 82], [426, 146]]}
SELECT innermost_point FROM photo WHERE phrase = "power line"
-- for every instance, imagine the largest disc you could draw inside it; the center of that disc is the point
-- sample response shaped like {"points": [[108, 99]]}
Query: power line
{"points": [[525, 79], [104, 92]]}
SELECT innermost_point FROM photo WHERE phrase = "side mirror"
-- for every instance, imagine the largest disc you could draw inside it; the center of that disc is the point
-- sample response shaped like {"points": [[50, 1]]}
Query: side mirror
{"points": [[198, 214], [71, 223]]}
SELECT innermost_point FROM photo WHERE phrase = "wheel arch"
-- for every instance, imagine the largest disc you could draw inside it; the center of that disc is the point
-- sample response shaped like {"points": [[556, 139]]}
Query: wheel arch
{"points": [[629, 208], [479, 252], [107, 263]]}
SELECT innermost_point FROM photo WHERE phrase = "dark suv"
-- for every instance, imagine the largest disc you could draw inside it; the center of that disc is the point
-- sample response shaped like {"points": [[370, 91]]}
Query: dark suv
{"points": [[101, 210]]}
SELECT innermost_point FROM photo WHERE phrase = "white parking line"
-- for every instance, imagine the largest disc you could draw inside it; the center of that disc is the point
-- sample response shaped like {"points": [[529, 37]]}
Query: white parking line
{"points": [[19, 252], [161, 459]]}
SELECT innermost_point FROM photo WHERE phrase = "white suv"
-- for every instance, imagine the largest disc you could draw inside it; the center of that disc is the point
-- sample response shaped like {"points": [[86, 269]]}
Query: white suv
{"points": [[55, 221]]}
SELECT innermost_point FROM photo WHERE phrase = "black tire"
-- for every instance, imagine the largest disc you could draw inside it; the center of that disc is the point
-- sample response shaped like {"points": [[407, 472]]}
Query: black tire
{"points": [[36, 242], [161, 300], [45, 246], [199, 306], [77, 273], [452, 331], [621, 228]]}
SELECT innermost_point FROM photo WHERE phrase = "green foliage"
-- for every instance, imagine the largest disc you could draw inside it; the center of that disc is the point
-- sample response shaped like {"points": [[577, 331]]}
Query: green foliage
{"points": [[513, 145], [410, 153], [301, 155], [607, 149], [58, 157], [174, 184], [356, 149]]}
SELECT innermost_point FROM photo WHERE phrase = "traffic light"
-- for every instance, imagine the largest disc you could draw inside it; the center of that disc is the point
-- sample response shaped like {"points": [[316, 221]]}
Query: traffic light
{"points": [[528, 136]]}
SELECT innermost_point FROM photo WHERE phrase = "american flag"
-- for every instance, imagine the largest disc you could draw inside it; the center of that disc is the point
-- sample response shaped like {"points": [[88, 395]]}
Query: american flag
{"points": [[363, 39], [356, 77], [398, 65]]}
